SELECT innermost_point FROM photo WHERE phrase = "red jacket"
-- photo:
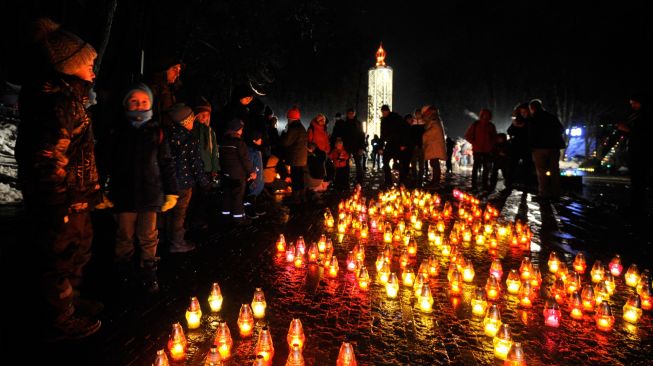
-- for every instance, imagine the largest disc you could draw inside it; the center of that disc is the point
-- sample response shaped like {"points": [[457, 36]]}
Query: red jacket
{"points": [[318, 135], [482, 136], [340, 158]]}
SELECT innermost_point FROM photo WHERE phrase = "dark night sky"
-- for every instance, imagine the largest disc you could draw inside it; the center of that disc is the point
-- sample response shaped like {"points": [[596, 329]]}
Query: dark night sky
{"points": [[458, 55]]}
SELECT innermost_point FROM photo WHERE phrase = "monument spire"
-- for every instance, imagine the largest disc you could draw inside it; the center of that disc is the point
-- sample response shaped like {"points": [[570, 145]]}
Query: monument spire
{"points": [[380, 56]]}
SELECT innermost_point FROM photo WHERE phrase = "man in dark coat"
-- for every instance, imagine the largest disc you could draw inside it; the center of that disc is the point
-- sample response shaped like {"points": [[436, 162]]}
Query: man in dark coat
{"points": [[639, 129], [545, 136], [395, 135], [521, 159], [246, 108], [58, 177], [350, 131], [294, 142], [163, 80]]}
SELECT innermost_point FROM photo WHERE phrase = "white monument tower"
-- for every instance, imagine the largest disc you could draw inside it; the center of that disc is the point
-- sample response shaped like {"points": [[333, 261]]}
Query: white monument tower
{"points": [[379, 92]]}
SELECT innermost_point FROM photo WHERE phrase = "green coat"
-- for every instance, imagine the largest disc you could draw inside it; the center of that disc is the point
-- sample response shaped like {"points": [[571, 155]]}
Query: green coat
{"points": [[208, 147]]}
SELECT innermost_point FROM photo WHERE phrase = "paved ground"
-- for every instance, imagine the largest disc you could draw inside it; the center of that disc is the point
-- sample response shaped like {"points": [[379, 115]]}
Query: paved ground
{"points": [[384, 332]]}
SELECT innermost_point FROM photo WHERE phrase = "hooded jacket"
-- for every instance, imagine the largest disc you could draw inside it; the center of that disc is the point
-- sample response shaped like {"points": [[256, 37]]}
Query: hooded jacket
{"points": [[433, 137], [318, 135], [55, 146]]}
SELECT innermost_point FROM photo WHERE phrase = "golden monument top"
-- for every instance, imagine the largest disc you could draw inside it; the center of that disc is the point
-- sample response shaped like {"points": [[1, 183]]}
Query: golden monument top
{"points": [[380, 56]]}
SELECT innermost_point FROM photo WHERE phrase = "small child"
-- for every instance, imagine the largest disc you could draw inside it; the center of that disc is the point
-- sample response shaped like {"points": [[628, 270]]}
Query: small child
{"points": [[340, 159], [255, 187], [237, 168], [185, 150], [142, 183], [501, 160]]}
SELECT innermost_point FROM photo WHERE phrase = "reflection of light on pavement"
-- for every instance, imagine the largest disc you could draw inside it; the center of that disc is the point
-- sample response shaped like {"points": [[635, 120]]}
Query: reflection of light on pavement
{"points": [[535, 247]]}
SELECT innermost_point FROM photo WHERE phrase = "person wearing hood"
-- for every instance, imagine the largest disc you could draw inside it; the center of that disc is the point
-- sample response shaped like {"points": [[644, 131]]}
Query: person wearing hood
{"points": [[58, 177], [142, 183], [317, 133]]}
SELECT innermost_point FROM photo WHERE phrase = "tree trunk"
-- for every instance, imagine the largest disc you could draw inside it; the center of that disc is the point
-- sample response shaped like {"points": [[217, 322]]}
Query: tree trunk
{"points": [[111, 11]]}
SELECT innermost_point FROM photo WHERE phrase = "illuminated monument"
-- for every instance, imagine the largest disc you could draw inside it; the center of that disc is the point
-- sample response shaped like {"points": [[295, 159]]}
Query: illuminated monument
{"points": [[379, 92]]}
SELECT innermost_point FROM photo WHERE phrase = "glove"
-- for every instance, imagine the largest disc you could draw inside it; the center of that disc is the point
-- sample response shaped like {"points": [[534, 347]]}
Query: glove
{"points": [[106, 203], [170, 202]]}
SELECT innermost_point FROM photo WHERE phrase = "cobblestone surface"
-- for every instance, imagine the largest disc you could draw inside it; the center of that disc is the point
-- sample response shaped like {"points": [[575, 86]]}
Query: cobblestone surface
{"points": [[383, 331]]}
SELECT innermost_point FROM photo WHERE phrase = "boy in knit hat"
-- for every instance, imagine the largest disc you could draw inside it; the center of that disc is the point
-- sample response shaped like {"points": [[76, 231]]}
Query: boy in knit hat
{"points": [[237, 168], [142, 183], [58, 176], [189, 171]]}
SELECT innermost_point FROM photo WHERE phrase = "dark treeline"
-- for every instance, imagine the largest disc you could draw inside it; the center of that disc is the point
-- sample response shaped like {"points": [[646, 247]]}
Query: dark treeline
{"points": [[582, 60]]}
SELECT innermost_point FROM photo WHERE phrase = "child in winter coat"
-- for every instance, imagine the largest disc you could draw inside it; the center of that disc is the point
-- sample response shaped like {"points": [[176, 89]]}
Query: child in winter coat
{"points": [[340, 159], [189, 171], [237, 168], [255, 187], [142, 183]]}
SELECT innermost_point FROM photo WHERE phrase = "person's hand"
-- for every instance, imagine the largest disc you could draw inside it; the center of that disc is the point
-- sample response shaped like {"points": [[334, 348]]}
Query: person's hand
{"points": [[106, 203], [170, 202], [402, 148], [252, 176]]}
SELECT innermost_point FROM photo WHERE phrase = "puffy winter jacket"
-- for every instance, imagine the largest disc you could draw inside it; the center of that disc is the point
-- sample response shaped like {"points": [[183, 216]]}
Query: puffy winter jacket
{"points": [[185, 151], [234, 158], [318, 135], [142, 170], [55, 147], [294, 143]]}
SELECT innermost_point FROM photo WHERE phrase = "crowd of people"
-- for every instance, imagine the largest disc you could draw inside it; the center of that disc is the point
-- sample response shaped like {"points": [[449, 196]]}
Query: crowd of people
{"points": [[165, 159]]}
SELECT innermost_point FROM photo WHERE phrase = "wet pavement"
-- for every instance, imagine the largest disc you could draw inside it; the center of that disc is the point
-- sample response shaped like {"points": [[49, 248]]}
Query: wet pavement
{"points": [[383, 331]]}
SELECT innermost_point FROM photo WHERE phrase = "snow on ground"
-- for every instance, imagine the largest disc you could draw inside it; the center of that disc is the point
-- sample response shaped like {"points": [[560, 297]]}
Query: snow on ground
{"points": [[9, 194]]}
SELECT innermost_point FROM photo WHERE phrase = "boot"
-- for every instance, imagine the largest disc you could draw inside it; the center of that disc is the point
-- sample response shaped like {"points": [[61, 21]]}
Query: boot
{"points": [[150, 279]]}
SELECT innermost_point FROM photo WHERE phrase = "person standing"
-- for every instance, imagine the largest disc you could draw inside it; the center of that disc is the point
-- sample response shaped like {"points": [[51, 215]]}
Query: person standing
{"points": [[521, 158], [165, 70], [451, 144], [482, 134], [433, 142], [416, 144], [350, 131], [237, 169], [185, 151], [395, 133], [58, 176], [142, 183], [545, 136], [501, 161], [340, 159], [294, 143], [318, 135], [639, 128], [377, 149]]}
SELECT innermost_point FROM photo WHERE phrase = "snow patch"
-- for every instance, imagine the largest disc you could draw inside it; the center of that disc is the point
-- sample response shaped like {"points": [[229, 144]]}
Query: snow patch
{"points": [[9, 194]]}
